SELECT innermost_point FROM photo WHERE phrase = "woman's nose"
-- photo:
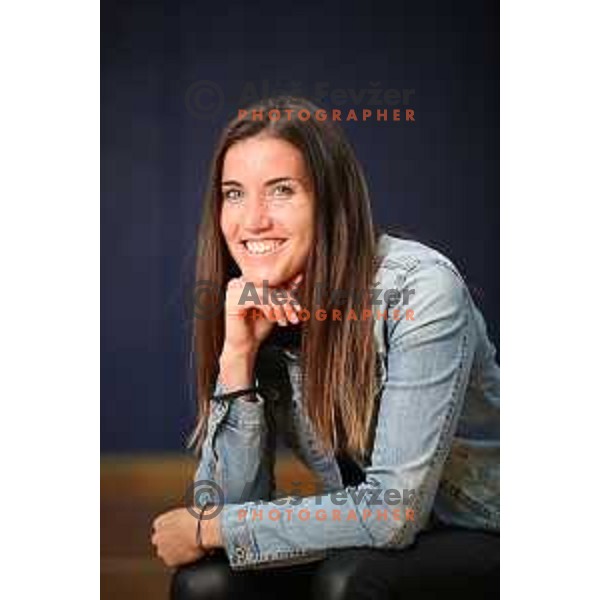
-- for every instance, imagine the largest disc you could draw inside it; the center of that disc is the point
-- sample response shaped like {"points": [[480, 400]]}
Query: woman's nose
{"points": [[256, 214]]}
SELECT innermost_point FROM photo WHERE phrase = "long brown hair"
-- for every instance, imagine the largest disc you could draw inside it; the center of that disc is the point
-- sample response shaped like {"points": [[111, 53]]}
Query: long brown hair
{"points": [[338, 357]]}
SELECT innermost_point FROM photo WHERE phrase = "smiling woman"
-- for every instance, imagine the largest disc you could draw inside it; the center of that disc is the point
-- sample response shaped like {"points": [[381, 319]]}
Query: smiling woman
{"points": [[288, 200], [267, 216], [372, 405]]}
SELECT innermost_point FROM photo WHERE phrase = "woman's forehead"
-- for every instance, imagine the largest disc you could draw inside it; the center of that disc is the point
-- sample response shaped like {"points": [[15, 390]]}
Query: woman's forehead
{"points": [[262, 159]]}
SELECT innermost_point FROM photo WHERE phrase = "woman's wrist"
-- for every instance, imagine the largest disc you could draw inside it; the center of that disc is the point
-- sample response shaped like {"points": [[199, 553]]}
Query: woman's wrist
{"points": [[236, 368], [210, 533]]}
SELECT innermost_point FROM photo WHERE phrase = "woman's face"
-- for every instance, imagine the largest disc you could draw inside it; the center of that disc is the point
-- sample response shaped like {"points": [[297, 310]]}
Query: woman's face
{"points": [[267, 215]]}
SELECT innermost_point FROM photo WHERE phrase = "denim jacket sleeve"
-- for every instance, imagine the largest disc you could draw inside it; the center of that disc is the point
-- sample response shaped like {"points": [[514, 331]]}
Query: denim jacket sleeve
{"points": [[235, 454], [428, 363]]}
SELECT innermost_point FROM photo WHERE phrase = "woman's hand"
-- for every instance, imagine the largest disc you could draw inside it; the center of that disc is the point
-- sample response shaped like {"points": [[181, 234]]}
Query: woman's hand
{"points": [[174, 536], [245, 331], [247, 325]]}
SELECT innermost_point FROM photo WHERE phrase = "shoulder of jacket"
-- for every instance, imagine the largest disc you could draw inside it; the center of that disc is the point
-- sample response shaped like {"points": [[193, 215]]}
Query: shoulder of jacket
{"points": [[399, 258], [428, 280]]}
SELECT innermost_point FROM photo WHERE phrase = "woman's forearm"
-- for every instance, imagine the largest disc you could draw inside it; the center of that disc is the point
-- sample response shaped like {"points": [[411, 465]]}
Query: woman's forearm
{"points": [[235, 455], [236, 368]]}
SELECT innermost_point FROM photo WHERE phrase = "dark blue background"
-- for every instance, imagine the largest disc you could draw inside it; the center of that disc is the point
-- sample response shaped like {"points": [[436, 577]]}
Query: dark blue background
{"points": [[437, 178]]}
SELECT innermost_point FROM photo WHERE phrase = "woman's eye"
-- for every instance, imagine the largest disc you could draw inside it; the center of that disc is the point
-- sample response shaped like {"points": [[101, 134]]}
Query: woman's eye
{"points": [[232, 195], [283, 190]]}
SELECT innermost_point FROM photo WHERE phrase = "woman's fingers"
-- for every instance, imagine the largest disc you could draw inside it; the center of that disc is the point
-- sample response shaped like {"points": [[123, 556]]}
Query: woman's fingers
{"points": [[283, 314], [233, 304], [272, 313], [295, 281], [267, 311], [292, 307], [291, 313], [279, 314]]}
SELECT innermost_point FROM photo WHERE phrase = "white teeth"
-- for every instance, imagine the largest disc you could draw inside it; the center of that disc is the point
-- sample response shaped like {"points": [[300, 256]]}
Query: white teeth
{"points": [[262, 247]]}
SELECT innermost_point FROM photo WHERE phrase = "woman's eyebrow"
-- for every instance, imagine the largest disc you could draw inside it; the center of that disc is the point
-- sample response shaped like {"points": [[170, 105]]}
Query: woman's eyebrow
{"points": [[279, 180], [270, 182]]}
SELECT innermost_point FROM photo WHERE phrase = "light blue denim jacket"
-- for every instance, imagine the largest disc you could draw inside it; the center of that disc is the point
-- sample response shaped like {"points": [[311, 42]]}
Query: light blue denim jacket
{"points": [[437, 431]]}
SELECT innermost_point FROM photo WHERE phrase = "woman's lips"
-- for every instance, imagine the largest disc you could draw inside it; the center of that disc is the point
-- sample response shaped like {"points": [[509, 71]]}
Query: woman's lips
{"points": [[263, 248]]}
